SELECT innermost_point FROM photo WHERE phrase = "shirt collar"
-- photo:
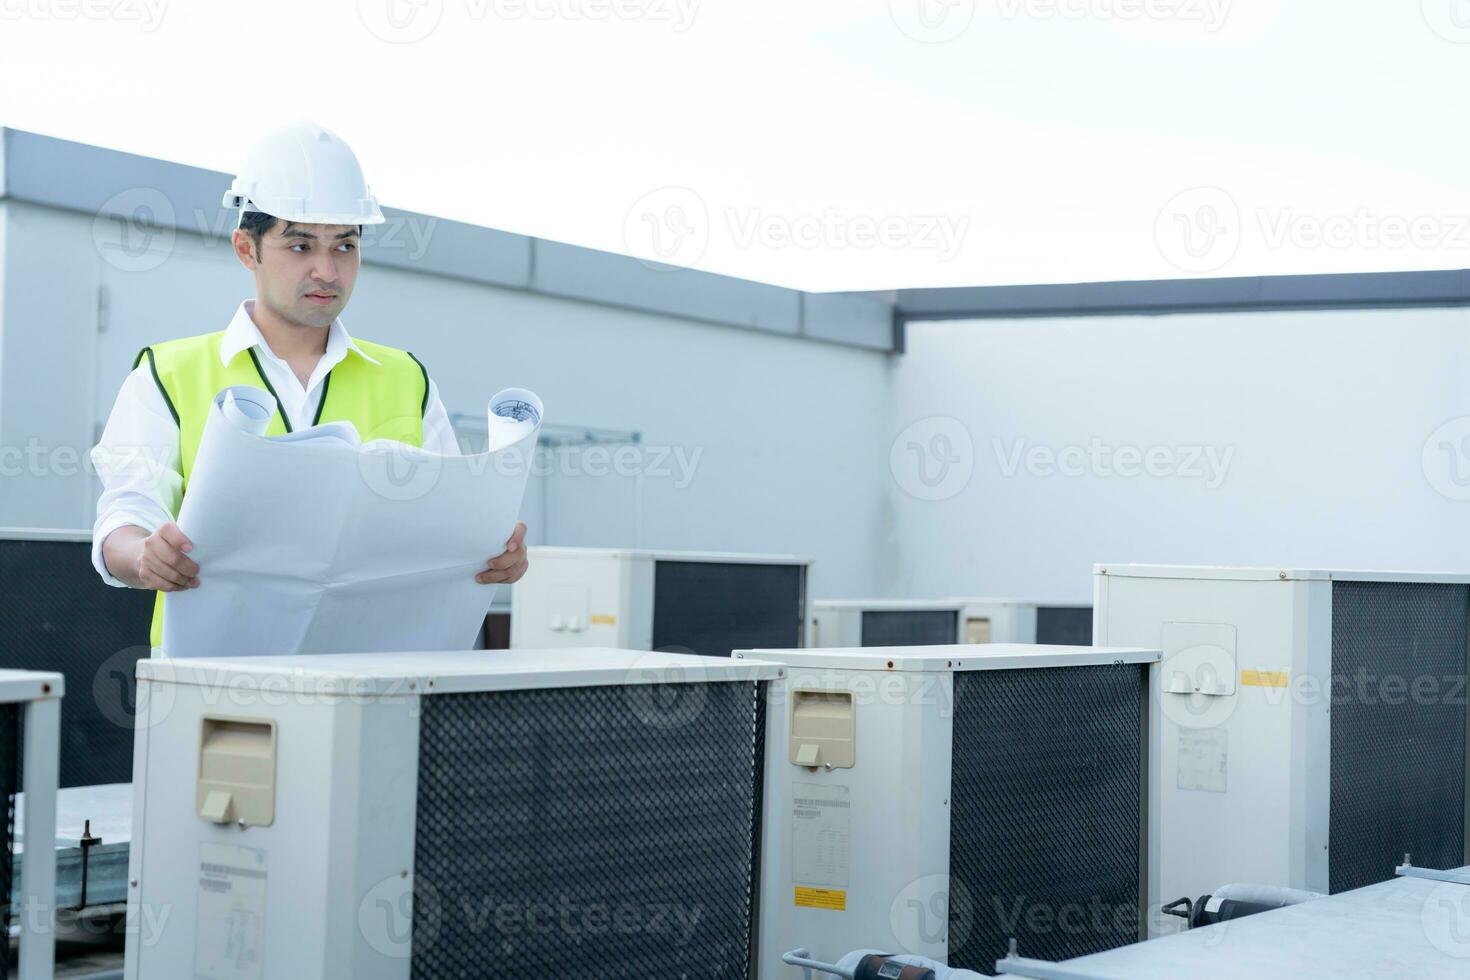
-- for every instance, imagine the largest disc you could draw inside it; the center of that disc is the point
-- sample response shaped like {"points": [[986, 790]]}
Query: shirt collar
{"points": [[243, 334]]}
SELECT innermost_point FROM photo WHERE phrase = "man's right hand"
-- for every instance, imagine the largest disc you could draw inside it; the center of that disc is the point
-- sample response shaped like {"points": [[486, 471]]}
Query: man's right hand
{"points": [[152, 561]]}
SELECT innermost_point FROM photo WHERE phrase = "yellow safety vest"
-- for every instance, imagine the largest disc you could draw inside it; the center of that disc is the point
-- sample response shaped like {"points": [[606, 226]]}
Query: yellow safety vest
{"points": [[386, 400]]}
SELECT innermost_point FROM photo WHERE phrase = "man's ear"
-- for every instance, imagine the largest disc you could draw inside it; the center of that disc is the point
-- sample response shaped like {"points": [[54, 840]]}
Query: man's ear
{"points": [[245, 249]]}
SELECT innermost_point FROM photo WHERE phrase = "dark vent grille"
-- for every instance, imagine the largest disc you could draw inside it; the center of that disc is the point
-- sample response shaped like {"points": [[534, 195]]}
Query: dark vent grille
{"points": [[590, 832], [713, 609], [1045, 841], [910, 627], [59, 616], [1398, 729]]}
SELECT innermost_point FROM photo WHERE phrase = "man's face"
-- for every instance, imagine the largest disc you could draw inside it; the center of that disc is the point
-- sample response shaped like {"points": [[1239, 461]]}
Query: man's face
{"points": [[305, 273]]}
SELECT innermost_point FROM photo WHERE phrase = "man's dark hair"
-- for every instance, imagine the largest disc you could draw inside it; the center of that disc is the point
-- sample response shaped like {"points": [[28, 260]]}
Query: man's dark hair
{"points": [[258, 224]]}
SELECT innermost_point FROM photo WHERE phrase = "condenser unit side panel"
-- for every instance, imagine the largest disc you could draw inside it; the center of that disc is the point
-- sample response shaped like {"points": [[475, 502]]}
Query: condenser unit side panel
{"points": [[622, 817], [1046, 832], [1398, 728], [909, 627], [715, 608]]}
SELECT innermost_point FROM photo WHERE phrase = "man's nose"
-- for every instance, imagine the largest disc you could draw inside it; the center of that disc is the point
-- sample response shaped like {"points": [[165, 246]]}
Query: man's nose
{"points": [[324, 269]]}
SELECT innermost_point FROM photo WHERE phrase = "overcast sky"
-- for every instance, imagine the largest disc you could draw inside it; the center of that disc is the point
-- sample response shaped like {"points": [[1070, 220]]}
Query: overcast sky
{"points": [[824, 144]]}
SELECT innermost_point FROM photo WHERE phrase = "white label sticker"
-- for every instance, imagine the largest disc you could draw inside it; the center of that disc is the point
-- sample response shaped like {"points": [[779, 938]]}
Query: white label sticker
{"points": [[821, 834], [229, 939], [1203, 763]]}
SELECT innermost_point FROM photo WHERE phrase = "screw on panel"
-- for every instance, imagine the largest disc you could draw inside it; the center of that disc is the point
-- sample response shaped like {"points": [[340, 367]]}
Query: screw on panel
{"points": [[1281, 575]]}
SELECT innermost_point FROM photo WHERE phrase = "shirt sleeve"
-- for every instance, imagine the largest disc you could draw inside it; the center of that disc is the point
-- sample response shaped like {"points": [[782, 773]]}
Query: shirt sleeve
{"points": [[137, 461], [439, 435]]}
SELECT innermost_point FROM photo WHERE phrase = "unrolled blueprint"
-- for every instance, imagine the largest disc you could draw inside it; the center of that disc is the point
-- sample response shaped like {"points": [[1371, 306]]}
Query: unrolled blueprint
{"points": [[315, 542]]}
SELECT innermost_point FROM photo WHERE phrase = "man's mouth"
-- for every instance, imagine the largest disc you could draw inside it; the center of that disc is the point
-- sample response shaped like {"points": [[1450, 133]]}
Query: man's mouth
{"points": [[322, 299]]}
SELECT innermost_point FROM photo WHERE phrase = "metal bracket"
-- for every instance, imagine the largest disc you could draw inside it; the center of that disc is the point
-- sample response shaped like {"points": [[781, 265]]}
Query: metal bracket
{"points": [[1407, 870]]}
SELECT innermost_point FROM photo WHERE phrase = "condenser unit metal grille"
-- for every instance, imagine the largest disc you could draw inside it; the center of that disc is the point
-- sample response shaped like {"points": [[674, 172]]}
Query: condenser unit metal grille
{"points": [[1064, 625], [714, 608], [59, 616], [588, 833], [1046, 838], [1398, 728], [910, 627], [10, 715]]}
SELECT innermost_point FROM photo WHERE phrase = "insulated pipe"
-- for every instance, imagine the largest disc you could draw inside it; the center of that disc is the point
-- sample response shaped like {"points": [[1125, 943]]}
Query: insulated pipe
{"points": [[1272, 895]]}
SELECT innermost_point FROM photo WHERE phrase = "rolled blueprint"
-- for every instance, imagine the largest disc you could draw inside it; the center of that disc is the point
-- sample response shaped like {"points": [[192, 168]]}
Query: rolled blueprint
{"points": [[316, 542]]}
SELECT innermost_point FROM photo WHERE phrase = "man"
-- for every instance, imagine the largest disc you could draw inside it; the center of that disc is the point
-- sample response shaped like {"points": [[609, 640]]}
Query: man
{"points": [[303, 202]]}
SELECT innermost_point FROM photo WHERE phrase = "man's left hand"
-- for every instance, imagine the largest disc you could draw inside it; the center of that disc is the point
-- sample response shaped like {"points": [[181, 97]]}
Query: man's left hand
{"points": [[510, 564]]}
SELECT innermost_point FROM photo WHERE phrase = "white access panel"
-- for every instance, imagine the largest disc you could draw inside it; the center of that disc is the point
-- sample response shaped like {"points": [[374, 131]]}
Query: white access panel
{"points": [[603, 597], [323, 890], [860, 856], [1241, 753]]}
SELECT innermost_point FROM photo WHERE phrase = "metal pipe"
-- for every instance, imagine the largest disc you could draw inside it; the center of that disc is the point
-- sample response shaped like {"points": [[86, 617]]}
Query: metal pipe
{"points": [[801, 958], [1272, 895], [1019, 966]]}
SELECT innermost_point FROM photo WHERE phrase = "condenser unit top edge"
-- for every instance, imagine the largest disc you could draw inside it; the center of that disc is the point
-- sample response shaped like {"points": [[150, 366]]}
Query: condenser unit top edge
{"points": [[378, 675], [712, 557], [30, 685], [954, 657], [1263, 573], [956, 603], [44, 534]]}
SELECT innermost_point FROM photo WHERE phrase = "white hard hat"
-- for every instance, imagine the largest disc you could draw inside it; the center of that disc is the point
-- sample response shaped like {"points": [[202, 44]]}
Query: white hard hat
{"points": [[302, 172]]}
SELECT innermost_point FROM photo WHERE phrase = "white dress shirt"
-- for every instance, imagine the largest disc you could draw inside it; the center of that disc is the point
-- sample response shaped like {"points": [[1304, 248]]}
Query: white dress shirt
{"points": [[138, 457]]}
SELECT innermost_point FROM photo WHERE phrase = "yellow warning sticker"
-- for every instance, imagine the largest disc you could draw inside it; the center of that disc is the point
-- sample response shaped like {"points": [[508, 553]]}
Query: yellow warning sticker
{"points": [[603, 619], [821, 898], [1263, 678]]}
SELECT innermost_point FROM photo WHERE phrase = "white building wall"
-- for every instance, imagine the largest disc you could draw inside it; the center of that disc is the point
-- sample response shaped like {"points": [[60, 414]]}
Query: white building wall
{"points": [[1341, 440]]}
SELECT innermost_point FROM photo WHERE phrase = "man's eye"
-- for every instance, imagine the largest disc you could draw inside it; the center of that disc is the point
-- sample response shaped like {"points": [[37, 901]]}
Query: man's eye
{"points": [[348, 246], [298, 245]]}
